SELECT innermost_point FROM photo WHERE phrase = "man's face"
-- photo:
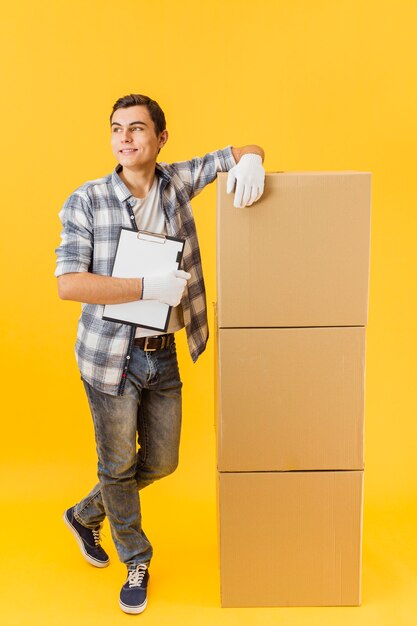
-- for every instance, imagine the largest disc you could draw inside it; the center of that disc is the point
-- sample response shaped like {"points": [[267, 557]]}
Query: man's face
{"points": [[133, 139]]}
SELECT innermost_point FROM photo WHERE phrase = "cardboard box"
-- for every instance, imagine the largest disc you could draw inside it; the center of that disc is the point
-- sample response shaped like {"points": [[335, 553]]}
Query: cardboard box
{"points": [[299, 256], [290, 398], [290, 538]]}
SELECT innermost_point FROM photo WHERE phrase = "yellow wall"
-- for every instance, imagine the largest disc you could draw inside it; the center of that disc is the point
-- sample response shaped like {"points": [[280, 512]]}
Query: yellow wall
{"points": [[323, 84]]}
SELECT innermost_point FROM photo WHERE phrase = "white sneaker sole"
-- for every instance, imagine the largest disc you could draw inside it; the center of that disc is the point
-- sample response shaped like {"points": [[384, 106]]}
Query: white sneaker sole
{"points": [[87, 557], [133, 610]]}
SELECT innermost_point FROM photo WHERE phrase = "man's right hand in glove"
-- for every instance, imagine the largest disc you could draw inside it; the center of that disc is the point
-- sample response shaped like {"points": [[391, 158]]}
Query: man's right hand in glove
{"points": [[167, 288]]}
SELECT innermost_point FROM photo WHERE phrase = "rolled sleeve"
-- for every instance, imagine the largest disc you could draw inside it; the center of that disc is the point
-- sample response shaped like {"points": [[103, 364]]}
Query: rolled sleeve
{"points": [[75, 252], [200, 171]]}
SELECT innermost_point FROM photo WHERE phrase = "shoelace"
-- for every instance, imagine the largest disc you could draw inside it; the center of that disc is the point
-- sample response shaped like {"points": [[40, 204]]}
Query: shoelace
{"points": [[96, 536], [135, 576]]}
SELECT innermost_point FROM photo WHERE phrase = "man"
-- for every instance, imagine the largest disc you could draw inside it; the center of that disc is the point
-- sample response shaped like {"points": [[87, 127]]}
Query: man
{"points": [[131, 374]]}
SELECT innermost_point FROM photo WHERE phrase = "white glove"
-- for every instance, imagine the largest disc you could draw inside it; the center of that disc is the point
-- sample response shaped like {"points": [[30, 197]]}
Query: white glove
{"points": [[249, 176], [167, 288]]}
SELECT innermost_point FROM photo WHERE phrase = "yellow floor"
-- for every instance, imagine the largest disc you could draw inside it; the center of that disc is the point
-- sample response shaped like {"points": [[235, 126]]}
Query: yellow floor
{"points": [[44, 580]]}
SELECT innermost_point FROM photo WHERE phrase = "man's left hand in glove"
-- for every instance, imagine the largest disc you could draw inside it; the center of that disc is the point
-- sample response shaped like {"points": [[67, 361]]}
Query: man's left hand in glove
{"points": [[248, 175]]}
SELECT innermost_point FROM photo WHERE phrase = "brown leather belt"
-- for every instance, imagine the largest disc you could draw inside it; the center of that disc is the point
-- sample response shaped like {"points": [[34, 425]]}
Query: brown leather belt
{"points": [[156, 342]]}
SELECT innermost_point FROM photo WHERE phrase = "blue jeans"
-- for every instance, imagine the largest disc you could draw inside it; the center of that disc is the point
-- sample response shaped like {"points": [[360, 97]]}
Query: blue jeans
{"points": [[149, 412]]}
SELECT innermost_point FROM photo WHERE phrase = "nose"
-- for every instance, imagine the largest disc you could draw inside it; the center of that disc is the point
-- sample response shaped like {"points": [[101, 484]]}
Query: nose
{"points": [[126, 135]]}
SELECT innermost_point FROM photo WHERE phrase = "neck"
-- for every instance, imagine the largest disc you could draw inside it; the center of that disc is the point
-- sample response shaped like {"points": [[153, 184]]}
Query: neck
{"points": [[138, 182]]}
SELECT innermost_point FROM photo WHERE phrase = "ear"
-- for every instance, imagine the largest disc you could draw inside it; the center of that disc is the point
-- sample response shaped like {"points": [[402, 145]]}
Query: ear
{"points": [[163, 138]]}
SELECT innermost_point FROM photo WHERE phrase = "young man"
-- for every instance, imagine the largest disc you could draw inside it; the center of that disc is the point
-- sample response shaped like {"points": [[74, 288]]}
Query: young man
{"points": [[130, 374]]}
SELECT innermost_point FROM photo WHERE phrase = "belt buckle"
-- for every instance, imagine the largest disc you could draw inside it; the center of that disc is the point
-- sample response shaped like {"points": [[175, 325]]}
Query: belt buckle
{"points": [[145, 347]]}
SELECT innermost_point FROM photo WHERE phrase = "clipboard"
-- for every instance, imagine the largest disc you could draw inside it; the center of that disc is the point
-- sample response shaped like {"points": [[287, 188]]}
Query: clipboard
{"points": [[141, 253]]}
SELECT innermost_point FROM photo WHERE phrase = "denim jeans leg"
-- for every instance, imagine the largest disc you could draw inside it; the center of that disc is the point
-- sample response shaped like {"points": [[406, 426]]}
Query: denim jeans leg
{"points": [[159, 425], [115, 424], [154, 384], [157, 457], [90, 510]]}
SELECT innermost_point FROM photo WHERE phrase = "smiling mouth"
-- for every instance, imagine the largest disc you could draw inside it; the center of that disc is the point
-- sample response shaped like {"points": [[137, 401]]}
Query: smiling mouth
{"points": [[128, 150]]}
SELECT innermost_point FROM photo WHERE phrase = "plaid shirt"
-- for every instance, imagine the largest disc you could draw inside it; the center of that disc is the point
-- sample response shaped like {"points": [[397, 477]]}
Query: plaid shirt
{"points": [[92, 217]]}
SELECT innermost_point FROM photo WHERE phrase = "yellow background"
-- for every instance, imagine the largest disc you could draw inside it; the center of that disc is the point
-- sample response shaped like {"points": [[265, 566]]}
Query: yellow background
{"points": [[320, 85]]}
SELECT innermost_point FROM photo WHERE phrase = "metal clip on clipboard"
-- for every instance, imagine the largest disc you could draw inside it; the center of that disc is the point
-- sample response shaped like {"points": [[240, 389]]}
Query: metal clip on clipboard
{"points": [[148, 236]]}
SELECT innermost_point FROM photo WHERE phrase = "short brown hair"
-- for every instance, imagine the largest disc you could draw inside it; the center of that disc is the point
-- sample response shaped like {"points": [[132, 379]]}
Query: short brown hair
{"points": [[155, 111]]}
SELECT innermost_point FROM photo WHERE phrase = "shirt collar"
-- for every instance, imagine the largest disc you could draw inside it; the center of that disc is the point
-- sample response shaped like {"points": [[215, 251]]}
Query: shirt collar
{"points": [[123, 193]]}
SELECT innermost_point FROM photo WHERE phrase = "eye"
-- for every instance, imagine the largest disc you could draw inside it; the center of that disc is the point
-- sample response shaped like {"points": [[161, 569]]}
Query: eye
{"points": [[137, 128]]}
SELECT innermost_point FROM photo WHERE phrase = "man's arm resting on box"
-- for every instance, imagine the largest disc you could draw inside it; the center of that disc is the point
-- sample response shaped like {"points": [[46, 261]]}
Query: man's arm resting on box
{"points": [[250, 149]]}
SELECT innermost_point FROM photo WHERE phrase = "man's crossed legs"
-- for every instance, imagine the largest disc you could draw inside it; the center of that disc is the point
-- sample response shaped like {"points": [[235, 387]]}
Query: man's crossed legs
{"points": [[149, 413]]}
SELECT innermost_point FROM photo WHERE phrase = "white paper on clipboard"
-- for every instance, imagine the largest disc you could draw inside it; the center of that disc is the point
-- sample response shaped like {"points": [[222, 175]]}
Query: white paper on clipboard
{"points": [[140, 253]]}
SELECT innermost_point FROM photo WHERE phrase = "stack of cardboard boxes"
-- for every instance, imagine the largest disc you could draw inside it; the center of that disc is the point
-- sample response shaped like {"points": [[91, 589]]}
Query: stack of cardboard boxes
{"points": [[292, 307]]}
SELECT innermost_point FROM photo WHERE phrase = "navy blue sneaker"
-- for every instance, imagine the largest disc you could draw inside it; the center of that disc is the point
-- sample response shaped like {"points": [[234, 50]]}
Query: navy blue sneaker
{"points": [[88, 539], [133, 593]]}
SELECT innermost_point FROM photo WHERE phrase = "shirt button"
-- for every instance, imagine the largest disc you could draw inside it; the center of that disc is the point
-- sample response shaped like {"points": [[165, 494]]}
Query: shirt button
{"points": [[128, 357], [132, 217]]}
